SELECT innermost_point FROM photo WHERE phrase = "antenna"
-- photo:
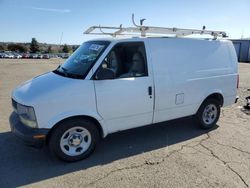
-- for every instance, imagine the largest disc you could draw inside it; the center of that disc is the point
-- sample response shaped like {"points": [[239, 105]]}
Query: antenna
{"points": [[133, 20], [242, 34], [61, 38], [141, 27]]}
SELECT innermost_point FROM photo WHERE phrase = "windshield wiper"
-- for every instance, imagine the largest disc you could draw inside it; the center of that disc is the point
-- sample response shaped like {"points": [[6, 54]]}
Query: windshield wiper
{"points": [[64, 70], [66, 73], [70, 74]]}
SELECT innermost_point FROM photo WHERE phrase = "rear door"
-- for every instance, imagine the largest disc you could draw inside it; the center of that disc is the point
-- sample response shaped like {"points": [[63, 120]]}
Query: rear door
{"points": [[127, 100]]}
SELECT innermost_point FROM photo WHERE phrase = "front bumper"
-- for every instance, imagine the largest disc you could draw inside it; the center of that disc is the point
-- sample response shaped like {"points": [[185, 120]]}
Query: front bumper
{"points": [[31, 136]]}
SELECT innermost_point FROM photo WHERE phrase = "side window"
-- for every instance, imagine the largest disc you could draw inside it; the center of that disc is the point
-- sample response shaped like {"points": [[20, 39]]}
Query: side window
{"points": [[127, 60]]}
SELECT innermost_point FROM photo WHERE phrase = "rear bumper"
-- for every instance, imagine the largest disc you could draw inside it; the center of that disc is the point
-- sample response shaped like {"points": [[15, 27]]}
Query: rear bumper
{"points": [[32, 137]]}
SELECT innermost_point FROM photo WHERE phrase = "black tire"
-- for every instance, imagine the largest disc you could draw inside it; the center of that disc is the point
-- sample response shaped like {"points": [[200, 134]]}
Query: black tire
{"points": [[58, 132], [203, 122]]}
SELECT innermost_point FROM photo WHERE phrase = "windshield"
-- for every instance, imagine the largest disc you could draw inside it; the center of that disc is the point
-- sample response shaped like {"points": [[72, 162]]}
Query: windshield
{"points": [[82, 60]]}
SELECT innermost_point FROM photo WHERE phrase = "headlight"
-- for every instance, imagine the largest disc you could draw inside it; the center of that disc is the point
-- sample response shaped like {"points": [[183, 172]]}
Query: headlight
{"points": [[27, 115]]}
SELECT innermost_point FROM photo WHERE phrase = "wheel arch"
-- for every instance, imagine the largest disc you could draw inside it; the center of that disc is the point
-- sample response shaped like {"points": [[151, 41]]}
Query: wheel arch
{"points": [[218, 96], [101, 130], [214, 95]]}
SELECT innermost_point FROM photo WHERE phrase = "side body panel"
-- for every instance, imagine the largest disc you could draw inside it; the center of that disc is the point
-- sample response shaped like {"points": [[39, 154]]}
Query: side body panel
{"points": [[186, 71]]}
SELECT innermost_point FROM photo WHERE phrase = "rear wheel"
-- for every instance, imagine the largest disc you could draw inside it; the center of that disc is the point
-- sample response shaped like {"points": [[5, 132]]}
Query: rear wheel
{"points": [[74, 139], [208, 114]]}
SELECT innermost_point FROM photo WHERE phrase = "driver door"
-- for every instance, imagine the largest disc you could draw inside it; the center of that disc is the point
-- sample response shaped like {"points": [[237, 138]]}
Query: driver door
{"points": [[126, 101]]}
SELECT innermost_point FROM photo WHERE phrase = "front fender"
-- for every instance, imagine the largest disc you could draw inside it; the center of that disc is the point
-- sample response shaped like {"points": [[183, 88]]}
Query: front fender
{"points": [[67, 114]]}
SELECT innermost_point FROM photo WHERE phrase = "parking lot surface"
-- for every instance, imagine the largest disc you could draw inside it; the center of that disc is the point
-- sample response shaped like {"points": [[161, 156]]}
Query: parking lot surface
{"points": [[169, 154]]}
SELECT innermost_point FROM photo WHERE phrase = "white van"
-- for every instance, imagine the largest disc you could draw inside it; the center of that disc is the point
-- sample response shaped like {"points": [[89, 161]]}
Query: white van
{"points": [[109, 85]]}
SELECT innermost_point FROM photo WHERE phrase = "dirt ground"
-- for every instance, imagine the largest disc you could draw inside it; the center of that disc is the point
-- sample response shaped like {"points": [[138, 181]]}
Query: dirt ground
{"points": [[170, 154]]}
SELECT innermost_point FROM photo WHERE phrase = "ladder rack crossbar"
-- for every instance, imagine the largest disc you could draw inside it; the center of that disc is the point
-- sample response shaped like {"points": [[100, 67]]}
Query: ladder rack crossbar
{"points": [[150, 30]]}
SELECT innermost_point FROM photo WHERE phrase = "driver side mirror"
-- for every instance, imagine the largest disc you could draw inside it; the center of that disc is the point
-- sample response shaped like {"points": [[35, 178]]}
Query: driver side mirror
{"points": [[105, 74]]}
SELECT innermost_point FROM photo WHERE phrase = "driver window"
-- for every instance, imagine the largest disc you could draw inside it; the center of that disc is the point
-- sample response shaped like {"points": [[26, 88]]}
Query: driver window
{"points": [[127, 60]]}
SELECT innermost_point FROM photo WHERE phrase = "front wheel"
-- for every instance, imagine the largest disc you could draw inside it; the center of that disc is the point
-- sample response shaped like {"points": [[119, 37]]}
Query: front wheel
{"points": [[74, 139], [208, 114]]}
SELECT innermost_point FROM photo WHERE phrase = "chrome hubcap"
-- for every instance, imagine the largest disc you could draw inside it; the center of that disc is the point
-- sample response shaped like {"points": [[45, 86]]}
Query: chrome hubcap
{"points": [[75, 141], [209, 114]]}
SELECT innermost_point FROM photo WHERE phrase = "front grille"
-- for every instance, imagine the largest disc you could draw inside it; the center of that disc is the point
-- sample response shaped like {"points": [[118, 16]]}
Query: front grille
{"points": [[14, 104]]}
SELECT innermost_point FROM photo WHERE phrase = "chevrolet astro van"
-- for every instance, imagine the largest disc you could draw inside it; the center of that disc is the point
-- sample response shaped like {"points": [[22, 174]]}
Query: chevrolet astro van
{"points": [[114, 84]]}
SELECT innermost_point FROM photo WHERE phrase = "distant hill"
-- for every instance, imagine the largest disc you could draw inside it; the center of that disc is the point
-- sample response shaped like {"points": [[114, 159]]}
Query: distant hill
{"points": [[55, 48]]}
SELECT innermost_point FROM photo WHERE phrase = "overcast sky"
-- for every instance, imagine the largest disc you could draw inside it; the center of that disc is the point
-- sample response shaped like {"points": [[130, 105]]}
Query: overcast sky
{"points": [[49, 20]]}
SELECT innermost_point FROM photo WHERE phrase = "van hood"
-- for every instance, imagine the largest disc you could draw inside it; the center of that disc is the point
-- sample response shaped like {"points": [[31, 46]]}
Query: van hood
{"points": [[41, 86]]}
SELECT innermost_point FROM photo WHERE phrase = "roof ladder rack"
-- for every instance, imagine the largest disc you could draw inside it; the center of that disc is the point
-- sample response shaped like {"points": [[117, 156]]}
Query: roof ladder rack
{"points": [[144, 31]]}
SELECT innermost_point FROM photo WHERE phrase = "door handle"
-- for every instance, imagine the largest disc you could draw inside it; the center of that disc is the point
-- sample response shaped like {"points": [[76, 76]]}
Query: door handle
{"points": [[150, 91]]}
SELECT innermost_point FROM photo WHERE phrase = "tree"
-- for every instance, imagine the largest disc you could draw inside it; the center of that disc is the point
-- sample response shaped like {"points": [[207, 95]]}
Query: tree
{"points": [[34, 47], [2, 48], [74, 48], [17, 48], [66, 48], [49, 50]]}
